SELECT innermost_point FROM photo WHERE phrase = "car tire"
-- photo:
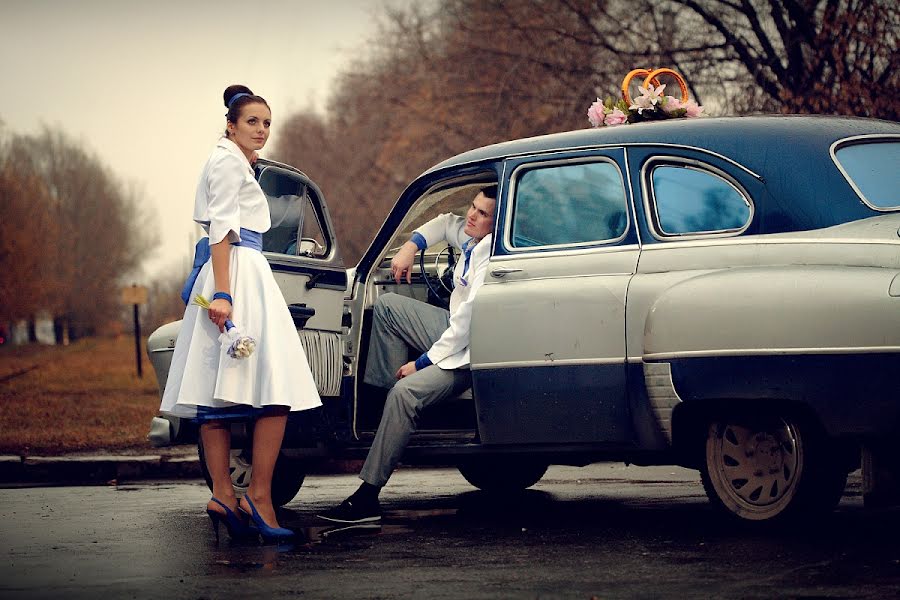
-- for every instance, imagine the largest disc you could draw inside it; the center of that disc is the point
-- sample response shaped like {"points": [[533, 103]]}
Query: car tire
{"points": [[502, 474], [286, 480], [765, 468]]}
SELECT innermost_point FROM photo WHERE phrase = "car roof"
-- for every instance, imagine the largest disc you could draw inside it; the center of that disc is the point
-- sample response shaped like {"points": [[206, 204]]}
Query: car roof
{"points": [[736, 137]]}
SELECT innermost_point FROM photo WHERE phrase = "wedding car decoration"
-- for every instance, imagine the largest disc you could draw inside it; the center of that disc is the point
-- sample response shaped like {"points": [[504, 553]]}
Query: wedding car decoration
{"points": [[652, 103]]}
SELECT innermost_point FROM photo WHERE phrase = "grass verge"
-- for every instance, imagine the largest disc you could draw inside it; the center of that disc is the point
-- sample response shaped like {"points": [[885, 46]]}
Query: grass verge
{"points": [[81, 397]]}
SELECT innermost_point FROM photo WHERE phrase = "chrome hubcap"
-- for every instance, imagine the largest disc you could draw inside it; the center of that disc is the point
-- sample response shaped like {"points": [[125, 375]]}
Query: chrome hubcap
{"points": [[240, 472], [758, 465]]}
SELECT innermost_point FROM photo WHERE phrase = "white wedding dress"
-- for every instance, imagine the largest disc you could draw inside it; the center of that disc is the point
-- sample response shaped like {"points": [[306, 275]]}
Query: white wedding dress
{"points": [[202, 374]]}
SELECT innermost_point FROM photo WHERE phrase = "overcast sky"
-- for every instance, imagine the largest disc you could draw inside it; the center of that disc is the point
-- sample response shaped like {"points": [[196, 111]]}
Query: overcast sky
{"points": [[140, 82]]}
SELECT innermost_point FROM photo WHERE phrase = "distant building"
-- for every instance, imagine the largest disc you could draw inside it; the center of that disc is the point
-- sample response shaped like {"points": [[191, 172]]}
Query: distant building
{"points": [[40, 330]]}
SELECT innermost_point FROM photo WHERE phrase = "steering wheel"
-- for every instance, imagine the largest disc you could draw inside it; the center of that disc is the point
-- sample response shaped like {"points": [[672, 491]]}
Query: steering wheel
{"points": [[439, 293]]}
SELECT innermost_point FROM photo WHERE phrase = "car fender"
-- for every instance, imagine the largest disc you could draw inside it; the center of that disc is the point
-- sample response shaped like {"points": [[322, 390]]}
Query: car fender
{"points": [[160, 346], [164, 430], [827, 337], [775, 310]]}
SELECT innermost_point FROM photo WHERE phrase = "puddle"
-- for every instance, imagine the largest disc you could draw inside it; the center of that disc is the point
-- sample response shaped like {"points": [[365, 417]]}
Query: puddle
{"points": [[257, 556], [339, 531], [416, 515]]}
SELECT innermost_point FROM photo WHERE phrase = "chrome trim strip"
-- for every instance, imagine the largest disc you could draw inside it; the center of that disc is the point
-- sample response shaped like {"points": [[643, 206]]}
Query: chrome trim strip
{"points": [[510, 201], [653, 214], [573, 252], [661, 356], [288, 260], [846, 141], [761, 240], [513, 364], [166, 349], [556, 277]]}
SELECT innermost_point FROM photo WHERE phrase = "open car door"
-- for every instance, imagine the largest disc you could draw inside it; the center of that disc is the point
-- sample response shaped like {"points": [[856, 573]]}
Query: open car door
{"points": [[302, 251]]}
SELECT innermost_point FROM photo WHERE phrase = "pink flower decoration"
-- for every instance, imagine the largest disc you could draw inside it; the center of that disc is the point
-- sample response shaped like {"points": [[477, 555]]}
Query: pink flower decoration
{"points": [[616, 117], [672, 104], [693, 109], [595, 113]]}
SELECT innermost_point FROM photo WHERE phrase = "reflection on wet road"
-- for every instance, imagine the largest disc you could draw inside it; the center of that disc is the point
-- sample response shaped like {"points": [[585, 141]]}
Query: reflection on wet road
{"points": [[605, 530]]}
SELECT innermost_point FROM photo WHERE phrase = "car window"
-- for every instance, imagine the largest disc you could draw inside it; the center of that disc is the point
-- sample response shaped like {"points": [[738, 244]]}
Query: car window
{"points": [[873, 170], [295, 228], [312, 236], [568, 204], [688, 200]]}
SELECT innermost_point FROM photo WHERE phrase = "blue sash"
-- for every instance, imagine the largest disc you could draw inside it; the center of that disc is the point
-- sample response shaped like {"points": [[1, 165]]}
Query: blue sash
{"points": [[249, 239]]}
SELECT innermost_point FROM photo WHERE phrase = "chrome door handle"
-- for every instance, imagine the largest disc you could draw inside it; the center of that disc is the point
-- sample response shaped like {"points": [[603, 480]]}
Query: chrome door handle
{"points": [[504, 271]]}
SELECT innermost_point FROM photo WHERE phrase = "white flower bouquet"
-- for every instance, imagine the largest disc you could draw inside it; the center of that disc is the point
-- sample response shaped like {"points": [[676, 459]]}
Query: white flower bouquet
{"points": [[239, 346]]}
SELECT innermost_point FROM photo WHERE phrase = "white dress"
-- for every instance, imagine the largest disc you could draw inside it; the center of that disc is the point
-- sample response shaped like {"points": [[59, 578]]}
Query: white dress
{"points": [[201, 373]]}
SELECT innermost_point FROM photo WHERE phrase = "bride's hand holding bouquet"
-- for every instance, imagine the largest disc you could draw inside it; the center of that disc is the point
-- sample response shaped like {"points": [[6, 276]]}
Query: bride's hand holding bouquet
{"points": [[239, 346]]}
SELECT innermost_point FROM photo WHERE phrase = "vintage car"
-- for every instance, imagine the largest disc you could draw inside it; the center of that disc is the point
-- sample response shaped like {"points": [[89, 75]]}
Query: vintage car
{"points": [[717, 293]]}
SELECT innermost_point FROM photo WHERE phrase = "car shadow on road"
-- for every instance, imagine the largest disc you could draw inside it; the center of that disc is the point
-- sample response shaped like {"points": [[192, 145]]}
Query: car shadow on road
{"points": [[672, 518]]}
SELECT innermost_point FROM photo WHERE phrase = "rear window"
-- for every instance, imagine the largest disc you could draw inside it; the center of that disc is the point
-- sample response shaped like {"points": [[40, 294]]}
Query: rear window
{"points": [[691, 201], [873, 169]]}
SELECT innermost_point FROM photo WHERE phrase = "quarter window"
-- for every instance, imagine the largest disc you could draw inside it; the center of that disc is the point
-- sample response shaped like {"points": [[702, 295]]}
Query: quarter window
{"points": [[568, 205], [873, 169], [690, 201]]}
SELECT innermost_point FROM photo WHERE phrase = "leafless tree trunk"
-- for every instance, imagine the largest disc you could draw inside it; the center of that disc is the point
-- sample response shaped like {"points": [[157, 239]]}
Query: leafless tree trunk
{"points": [[99, 233]]}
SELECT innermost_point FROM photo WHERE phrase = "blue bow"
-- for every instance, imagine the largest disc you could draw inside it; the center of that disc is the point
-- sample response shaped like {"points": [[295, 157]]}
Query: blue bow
{"points": [[201, 255]]}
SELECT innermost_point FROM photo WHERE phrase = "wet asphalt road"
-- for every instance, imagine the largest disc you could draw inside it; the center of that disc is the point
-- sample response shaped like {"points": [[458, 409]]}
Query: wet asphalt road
{"points": [[604, 531]]}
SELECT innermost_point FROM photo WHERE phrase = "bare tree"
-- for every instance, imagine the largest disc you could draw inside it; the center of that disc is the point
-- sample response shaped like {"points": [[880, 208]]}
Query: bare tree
{"points": [[465, 73], [101, 235], [819, 56], [27, 283]]}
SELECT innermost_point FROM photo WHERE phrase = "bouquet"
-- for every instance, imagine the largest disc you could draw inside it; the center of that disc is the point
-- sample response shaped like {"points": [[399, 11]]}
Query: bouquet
{"points": [[652, 104], [239, 346]]}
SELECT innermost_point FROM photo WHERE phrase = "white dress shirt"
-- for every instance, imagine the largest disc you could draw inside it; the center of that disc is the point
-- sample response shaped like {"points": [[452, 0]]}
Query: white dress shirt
{"points": [[451, 350], [228, 195]]}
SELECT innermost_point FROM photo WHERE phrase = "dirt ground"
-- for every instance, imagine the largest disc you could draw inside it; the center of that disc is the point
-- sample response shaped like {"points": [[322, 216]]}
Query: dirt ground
{"points": [[84, 396]]}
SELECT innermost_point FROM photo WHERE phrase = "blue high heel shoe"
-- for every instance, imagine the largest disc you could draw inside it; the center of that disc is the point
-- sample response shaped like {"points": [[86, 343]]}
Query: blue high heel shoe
{"points": [[237, 528], [270, 534]]}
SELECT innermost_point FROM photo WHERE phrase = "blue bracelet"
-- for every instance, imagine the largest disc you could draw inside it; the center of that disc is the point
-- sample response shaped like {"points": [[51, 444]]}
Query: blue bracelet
{"points": [[423, 361], [223, 296]]}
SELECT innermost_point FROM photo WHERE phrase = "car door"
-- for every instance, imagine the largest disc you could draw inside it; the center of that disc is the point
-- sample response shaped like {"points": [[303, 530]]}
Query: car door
{"points": [[302, 250], [548, 330]]}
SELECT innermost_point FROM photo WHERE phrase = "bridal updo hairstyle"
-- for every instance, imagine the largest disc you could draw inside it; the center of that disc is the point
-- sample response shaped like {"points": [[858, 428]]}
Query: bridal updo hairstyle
{"points": [[235, 107]]}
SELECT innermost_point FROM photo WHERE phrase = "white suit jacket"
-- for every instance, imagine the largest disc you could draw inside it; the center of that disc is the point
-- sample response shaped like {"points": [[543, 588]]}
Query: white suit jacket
{"points": [[228, 196], [451, 350]]}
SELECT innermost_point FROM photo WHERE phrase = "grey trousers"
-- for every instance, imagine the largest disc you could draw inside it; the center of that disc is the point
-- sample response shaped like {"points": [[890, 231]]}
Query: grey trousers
{"points": [[399, 323]]}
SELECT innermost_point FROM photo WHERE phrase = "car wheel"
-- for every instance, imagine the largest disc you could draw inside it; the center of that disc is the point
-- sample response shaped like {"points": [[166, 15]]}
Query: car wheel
{"points": [[758, 469], [286, 480], [502, 474]]}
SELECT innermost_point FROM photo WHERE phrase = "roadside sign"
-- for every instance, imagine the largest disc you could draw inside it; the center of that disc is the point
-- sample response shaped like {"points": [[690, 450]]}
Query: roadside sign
{"points": [[134, 294]]}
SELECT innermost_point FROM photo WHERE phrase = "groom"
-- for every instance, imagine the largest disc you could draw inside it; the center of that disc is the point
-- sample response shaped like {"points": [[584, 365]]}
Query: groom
{"points": [[442, 371]]}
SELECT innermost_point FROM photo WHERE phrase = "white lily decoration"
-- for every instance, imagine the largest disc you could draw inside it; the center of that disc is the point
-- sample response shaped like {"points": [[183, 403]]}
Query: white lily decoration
{"points": [[649, 98]]}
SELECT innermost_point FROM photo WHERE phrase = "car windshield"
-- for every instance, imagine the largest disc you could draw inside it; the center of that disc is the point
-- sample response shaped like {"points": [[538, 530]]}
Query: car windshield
{"points": [[872, 169]]}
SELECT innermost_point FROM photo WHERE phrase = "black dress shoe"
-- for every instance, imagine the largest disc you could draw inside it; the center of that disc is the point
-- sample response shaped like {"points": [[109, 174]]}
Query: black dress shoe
{"points": [[353, 511]]}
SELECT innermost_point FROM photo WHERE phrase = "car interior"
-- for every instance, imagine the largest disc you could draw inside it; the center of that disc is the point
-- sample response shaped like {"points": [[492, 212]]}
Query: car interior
{"points": [[432, 282]]}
